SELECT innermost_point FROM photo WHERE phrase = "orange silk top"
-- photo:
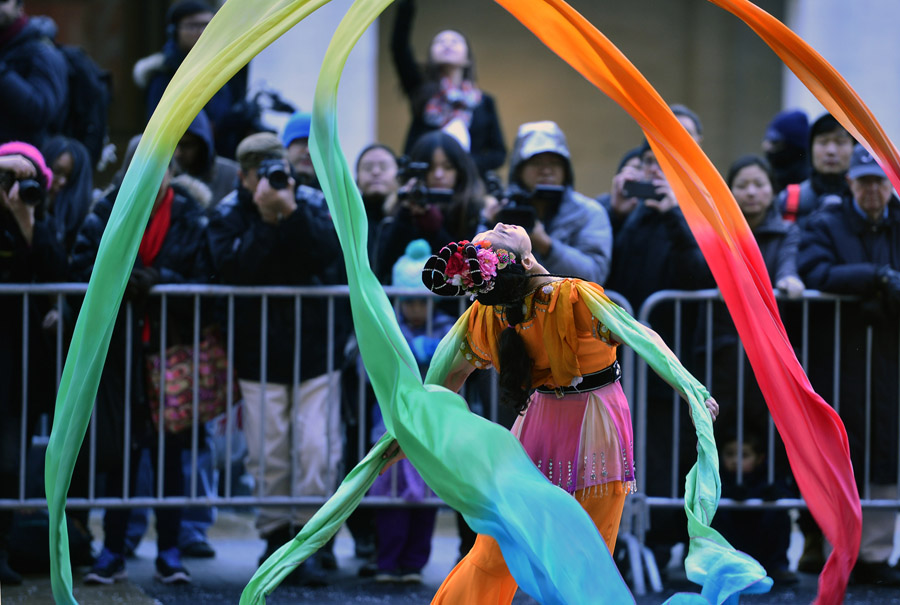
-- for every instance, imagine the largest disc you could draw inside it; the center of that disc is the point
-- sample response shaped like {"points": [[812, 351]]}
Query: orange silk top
{"points": [[561, 335]]}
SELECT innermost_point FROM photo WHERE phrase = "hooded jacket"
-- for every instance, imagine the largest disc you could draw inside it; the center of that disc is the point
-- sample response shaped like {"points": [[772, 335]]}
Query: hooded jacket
{"points": [[220, 174], [34, 78], [580, 229]]}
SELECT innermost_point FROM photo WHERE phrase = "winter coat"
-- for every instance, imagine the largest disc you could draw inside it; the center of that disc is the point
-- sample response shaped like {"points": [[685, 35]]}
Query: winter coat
{"points": [[580, 230], [154, 72], [841, 252], [34, 80], [181, 259], [301, 250], [42, 261]]}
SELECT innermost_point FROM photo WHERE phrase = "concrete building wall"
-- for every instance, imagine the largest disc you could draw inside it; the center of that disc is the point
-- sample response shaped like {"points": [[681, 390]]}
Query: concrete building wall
{"points": [[691, 51], [860, 40]]}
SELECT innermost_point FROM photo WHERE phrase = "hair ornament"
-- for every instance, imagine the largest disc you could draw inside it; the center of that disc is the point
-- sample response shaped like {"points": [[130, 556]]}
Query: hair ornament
{"points": [[465, 268]]}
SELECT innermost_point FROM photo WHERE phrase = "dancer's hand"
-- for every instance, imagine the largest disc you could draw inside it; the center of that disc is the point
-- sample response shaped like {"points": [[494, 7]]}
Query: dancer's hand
{"points": [[393, 455], [711, 406]]}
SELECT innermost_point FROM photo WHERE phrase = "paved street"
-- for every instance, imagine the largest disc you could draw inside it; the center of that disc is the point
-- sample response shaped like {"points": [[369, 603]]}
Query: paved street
{"points": [[221, 580]]}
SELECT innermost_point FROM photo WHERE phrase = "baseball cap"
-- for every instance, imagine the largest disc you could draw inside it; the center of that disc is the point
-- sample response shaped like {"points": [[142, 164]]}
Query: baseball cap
{"points": [[863, 163]]}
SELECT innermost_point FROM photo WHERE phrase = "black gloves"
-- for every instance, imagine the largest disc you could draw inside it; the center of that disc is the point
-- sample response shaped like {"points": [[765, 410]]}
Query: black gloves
{"points": [[889, 282], [140, 282]]}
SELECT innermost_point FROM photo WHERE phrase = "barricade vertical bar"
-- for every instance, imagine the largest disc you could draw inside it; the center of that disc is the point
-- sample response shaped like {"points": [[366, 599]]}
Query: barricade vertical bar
{"points": [[195, 395], [263, 377], [92, 455], [59, 338], [329, 368], [160, 422], [129, 361], [23, 428], [867, 457], [676, 404], [229, 395], [707, 369], [360, 410], [740, 410], [804, 350], [836, 370], [295, 380]]}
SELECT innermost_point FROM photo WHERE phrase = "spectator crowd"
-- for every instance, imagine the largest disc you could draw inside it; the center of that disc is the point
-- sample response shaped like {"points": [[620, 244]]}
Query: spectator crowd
{"points": [[241, 207]]}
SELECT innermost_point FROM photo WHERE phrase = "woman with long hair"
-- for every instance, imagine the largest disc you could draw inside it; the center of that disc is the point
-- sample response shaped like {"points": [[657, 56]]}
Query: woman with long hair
{"points": [[557, 367], [443, 93], [71, 191], [440, 205]]}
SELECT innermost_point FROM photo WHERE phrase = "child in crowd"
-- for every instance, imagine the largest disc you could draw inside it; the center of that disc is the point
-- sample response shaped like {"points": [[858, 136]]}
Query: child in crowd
{"points": [[404, 534], [763, 533]]}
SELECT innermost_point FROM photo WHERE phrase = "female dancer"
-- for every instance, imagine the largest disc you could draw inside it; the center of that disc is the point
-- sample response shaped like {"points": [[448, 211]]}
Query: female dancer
{"points": [[538, 331]]}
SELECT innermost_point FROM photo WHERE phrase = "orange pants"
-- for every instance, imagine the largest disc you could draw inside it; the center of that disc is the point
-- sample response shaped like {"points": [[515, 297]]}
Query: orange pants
{"points": [[482, 576]]}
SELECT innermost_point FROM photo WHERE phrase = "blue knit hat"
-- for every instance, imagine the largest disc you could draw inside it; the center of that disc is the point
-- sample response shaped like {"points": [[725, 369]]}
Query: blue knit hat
{"points": [[407, 271], [297, 127], [791, 127]]}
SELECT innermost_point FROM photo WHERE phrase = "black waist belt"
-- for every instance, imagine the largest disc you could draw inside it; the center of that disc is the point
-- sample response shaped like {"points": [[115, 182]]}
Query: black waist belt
{"points": [[590, 382]]}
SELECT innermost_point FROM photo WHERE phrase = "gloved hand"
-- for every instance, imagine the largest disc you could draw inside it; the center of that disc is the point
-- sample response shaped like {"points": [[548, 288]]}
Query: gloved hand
{"points": [[888, 281], [791, 286], [140, 282]]}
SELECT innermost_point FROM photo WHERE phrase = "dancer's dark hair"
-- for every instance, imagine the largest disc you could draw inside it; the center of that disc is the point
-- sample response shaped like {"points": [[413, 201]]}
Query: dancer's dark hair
{"points": [[511, 286]]}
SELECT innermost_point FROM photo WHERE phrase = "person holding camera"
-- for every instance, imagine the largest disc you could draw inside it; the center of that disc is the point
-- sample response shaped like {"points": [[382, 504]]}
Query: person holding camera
{"points": [[570, 233], [270, 231], [653, 249], [29, 252], [441, 200]]}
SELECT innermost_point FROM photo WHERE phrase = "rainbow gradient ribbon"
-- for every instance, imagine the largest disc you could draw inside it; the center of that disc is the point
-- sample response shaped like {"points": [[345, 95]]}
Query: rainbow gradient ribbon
{"points": [[236, 34]]}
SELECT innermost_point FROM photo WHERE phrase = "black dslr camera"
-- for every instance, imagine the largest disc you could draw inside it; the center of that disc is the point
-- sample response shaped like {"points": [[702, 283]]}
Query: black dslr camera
{"points": [[275, 171], [419, 193], [30, 191], [518, 208]]}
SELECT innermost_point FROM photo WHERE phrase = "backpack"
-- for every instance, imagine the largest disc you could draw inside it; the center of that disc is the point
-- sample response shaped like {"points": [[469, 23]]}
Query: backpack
{"points": [[90, 93]]}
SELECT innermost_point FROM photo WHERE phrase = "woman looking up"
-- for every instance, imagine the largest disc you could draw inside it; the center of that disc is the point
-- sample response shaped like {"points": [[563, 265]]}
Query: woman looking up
{"points": [[443, 93]]}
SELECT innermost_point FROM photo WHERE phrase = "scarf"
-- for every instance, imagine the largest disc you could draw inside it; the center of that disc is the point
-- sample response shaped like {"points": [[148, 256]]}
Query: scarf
{"points": [[452, 102], [152, 242]]}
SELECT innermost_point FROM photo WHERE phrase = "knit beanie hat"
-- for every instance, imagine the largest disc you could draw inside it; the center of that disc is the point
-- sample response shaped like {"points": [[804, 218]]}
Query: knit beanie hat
{"points": [[45, 176], [257, 147], [407, 271], [791, 127], [297, 127], [186, 8]]}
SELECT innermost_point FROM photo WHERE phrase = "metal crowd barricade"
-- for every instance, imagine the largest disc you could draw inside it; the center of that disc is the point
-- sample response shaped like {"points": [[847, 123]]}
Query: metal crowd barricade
{"points": [[708, 298], [161, 295]]}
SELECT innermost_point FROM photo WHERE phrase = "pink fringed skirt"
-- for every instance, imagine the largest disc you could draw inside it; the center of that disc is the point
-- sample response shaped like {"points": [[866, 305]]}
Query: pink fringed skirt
{"points": [[581, 440]]}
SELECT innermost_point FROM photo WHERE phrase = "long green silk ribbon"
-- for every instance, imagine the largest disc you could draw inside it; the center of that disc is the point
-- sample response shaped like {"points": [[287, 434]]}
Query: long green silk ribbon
{"points": [[549, 543]]}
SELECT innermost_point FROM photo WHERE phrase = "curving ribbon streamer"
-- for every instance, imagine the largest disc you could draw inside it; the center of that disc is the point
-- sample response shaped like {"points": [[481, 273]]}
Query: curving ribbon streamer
{"points": [[816, 441], [416, 414]]}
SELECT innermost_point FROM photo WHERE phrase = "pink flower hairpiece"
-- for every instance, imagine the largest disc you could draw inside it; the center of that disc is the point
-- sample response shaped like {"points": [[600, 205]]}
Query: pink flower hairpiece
{"points": [[465, 267]]}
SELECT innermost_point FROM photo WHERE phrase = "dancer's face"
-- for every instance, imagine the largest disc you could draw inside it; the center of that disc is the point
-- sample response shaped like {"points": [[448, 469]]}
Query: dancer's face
{"points": [[509, 237]]}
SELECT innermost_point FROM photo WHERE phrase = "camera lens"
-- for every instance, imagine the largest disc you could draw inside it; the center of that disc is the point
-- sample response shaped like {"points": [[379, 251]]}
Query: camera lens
{"points": [[278, 179], [31, 192]]}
